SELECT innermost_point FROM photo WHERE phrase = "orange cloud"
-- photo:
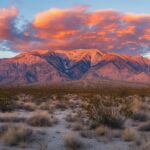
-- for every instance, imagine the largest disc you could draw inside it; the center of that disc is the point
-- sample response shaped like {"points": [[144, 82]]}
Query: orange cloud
{"points": [[126, 31], [107, 30], [76, 28], [59, 23]]}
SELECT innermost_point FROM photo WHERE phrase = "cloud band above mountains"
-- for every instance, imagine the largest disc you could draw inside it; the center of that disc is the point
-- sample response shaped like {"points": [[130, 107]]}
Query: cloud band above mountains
{"points": [[76, 28]]}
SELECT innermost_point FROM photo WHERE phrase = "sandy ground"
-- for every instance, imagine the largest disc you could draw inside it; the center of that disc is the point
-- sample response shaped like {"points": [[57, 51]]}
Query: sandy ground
{"points": [[53, 137]]}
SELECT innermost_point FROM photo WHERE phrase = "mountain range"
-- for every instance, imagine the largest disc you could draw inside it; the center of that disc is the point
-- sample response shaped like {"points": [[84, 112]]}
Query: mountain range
{"points": [[47, 66]]}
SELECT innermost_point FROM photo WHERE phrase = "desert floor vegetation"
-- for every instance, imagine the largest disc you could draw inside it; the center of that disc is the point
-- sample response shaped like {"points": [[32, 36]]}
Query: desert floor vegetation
{"points": [[72, 142], [69, 118], [17, 135], [129, 134], [41, 119]]}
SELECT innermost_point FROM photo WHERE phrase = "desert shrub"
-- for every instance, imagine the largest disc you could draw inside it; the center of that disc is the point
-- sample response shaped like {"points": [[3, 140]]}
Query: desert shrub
{"points": [[7, 104], [41, 119], [145, 127], [48, 106], [87, 134], [14, 135], [61, 105], [129, 105], [24, 97], [76, 126], [129, 134], [106, 110], [3, 128], [28, 106], [72, 142], [145, 106], [110, 110], [71, 118], [102, 130], [140, 116]]}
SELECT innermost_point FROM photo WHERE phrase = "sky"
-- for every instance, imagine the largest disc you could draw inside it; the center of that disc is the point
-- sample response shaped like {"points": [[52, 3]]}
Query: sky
{"points": [[121, 26]]}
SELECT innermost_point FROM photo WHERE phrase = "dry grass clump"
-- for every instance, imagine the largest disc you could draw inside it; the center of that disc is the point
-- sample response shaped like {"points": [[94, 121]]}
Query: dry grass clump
{"points": [[71, 118], [15, 135], [142, 142], [61, 105], [129, 134], [146, 146], [72, 142], [87, 134], [47, 106], [102, 130], [41, 119], [145, 127], [44, 106], [76, 126], [11, 117], [28, 106], [74, 102]]}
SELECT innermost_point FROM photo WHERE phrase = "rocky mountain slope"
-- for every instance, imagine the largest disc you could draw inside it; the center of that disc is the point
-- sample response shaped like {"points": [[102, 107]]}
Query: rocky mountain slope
{"points": [[48, 66]]}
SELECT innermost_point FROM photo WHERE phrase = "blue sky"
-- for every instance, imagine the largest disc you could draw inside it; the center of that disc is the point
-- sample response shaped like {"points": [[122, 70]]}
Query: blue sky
{"points": [[7, 54], [29, 8]]}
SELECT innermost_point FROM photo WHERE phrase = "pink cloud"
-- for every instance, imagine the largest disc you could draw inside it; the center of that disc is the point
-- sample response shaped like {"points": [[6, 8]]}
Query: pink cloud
{"points": [[7, 16], [76, 28]]}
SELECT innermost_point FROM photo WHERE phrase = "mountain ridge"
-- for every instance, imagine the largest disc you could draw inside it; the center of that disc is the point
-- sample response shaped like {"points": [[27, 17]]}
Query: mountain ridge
{"points": [[47, 66]]}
